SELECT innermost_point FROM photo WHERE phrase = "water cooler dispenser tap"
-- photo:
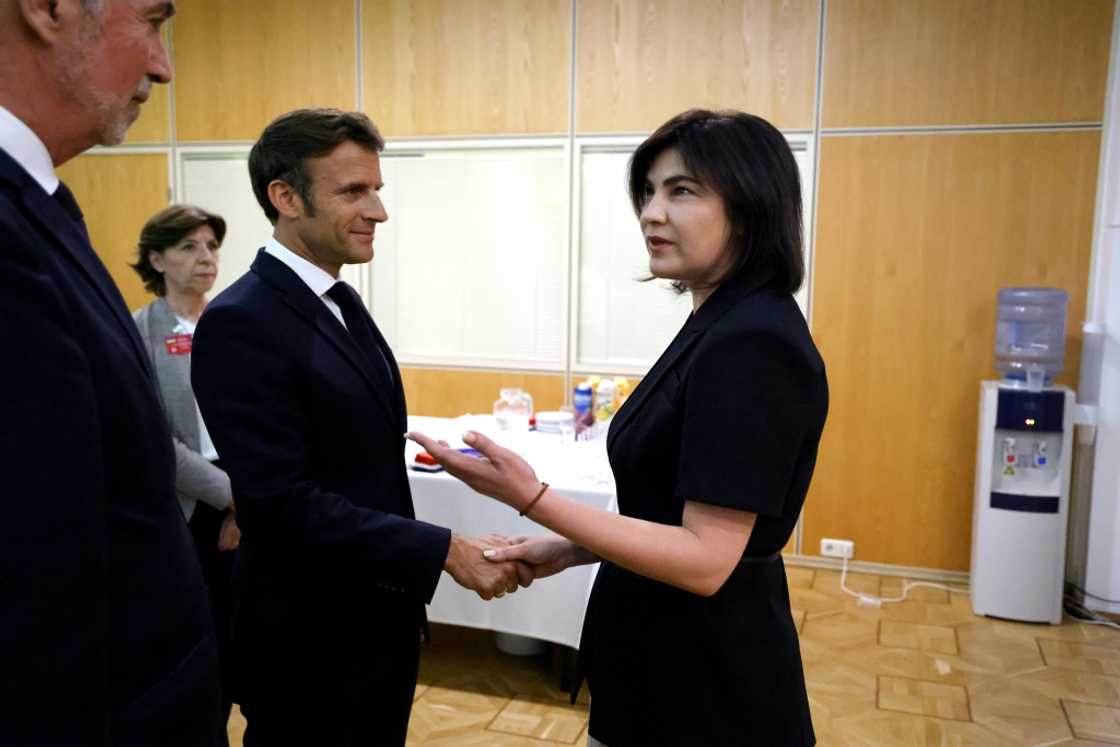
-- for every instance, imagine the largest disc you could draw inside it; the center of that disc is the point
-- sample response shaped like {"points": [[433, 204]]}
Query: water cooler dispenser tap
{"points": [[1009, 457]]}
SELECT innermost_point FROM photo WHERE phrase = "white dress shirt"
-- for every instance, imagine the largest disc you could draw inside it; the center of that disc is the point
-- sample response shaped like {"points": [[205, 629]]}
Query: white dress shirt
{"points": [[21, 143], [316, 278]]}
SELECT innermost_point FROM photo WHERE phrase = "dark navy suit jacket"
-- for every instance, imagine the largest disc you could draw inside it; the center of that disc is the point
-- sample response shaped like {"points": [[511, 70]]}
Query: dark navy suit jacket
{"points": [[331, 556], [105, 631]]}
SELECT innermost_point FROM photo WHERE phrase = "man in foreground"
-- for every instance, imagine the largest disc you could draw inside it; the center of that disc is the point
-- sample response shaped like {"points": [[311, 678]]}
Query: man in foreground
{"points": [[105, 632]]}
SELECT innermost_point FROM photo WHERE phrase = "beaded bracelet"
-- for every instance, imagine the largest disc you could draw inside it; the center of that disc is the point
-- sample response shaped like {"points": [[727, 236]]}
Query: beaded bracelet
{"points": [[544, 487]]}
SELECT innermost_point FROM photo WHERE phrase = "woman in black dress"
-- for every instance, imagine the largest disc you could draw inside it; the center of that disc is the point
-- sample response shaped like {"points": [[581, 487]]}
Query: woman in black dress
{"points": [[688, 637]]}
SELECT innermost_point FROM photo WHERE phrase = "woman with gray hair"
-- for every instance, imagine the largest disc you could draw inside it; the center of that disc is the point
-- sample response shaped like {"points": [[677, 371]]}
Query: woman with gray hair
{"points": [[177, 258]]}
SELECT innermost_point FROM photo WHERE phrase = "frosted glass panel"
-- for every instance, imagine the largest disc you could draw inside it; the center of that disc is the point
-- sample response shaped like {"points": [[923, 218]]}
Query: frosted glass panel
{"points": [[625, 324], [470, 266], [220, 183]]}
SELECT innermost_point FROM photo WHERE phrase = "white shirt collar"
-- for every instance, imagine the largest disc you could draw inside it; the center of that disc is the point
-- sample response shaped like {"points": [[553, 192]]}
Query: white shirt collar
{"points": [[316, 278], [21, 143]]}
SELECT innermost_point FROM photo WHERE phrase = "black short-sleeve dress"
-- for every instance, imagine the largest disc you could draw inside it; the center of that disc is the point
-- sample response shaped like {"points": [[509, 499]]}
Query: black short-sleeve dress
{"points": [[730, 415]]}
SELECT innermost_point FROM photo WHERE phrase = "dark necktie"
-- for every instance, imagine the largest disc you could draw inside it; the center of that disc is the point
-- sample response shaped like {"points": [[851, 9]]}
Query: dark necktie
{"points": [[64, 197], [358, 324]]}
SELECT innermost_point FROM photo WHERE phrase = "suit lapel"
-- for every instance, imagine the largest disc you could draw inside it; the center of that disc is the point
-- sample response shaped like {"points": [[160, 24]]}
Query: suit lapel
{"points": [[718, 304], [312, 309], [56, 223], [398, 385], [684, 340]]}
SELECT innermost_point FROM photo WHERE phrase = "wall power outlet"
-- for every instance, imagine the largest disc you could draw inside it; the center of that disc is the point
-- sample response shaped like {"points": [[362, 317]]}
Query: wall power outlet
{"points": [[837, 548]]}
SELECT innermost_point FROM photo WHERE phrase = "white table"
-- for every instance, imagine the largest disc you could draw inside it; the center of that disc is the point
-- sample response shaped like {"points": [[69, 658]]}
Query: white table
{"points": [[552, 608]]}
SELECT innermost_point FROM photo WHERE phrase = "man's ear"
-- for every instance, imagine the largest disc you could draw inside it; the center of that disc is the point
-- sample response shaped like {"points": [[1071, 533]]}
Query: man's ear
{"points": [[48, 19], [285, 199]]}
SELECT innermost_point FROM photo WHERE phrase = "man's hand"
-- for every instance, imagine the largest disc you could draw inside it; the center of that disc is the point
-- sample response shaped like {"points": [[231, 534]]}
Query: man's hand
{"points": [[229, 536], [489, 579]]}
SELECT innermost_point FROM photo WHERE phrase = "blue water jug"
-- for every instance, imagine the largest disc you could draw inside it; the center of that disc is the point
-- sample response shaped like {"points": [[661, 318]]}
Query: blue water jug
{"points": [[1031, 334]]}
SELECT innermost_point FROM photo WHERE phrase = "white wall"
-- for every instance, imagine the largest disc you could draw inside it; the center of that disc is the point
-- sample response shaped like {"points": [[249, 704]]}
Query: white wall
{"points": [[1102, 569]]}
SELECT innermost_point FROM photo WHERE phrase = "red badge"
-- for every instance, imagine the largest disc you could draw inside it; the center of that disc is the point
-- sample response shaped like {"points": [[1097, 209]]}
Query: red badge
{"points": [[178, 344]]}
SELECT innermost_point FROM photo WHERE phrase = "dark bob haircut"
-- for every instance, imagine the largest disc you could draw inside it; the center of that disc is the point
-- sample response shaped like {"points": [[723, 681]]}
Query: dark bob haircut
{"points": [[166, 229], [291, 138], [749, 164]]}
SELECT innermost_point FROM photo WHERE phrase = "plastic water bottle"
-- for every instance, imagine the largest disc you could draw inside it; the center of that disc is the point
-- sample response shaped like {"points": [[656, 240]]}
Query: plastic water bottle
{"points": [[604, 401], [513, 410], [583, 400], [1031, 334]]}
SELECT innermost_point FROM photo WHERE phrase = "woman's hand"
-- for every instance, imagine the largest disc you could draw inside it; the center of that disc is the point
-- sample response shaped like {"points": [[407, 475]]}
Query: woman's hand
{"points": [[502, 474], [546, 555]]}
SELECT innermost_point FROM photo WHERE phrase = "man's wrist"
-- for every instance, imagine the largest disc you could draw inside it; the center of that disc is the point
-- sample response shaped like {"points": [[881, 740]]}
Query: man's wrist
{"points": [[454, 550]]}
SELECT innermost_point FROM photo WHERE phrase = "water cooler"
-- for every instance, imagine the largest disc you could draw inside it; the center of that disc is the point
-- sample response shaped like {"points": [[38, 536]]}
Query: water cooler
{"points": [[1021, 503], [1023, 462]]}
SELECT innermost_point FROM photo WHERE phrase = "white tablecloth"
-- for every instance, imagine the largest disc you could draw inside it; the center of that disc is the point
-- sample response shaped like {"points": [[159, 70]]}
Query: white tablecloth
{"points": [[551, 609]]}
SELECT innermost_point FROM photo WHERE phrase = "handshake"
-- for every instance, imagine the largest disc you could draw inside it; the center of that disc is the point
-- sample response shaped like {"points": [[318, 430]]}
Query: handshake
{"points": [[493, 565]]}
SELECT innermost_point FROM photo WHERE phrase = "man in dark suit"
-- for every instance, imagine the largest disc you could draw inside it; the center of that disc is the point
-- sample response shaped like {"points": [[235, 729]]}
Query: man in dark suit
{"points": [[105, 632], [303, 400]]}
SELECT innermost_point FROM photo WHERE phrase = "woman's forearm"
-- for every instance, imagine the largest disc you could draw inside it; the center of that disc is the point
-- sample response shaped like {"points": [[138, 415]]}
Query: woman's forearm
{"points": [[197, 478], [676, 555], [697, 556]]}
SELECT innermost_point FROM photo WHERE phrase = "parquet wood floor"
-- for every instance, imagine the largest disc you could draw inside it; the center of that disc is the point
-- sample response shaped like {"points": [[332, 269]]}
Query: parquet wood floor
{"points": [[925, 672]]}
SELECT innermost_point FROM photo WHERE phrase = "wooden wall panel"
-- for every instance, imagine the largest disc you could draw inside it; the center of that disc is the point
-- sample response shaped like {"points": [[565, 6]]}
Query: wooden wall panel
{"points": [[449, 393], [929, 62], [916, 235], [153, 126], [114, 223], [639, 62], [238, 65], [433, 67]]}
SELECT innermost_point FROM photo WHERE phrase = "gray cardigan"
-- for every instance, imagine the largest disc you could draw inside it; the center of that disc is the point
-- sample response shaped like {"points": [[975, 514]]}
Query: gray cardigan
{"points": [[196, 479]]}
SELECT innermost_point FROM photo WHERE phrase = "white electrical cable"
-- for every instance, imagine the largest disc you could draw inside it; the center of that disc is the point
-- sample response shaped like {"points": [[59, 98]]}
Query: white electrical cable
{"points": [[870, 600], [1093, 617]]}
